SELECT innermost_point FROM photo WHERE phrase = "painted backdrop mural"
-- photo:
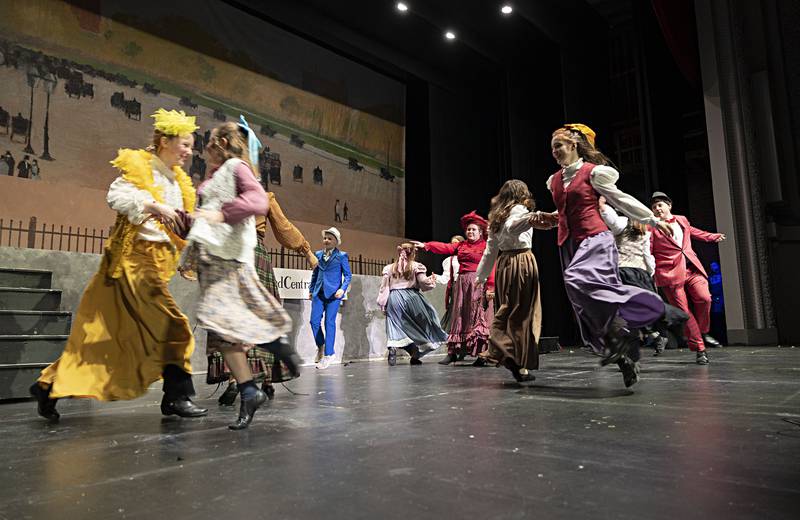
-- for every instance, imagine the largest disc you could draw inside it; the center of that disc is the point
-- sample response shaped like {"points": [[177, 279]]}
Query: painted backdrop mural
{"points": [[77, 84]]}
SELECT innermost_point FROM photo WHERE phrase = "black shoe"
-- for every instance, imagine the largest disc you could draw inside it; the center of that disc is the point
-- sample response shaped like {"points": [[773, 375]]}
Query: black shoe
{"points": [[392, 356], [449, 358], [416, 361], [630, 371], [480, 362], [518, 375], [183, 407], [45, 406], [660, 345], [228, 397], [619, 341], [285, 352], [709, 340], [268, 389], [247, 409], [460, 356], [702, 358]]}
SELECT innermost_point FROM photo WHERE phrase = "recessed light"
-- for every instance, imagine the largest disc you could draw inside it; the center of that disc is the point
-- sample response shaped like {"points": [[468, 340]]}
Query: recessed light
{"points": [[450, 35], [506, 9], [402, 7]]}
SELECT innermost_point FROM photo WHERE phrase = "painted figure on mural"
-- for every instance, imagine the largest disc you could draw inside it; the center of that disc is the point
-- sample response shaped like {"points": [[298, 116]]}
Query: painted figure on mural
{"points": [[24, 168], [7, 164], [337, 211]]}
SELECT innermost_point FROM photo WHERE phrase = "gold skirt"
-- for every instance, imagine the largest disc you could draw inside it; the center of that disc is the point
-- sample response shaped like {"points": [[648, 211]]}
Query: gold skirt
{"points": [[125, 331]]}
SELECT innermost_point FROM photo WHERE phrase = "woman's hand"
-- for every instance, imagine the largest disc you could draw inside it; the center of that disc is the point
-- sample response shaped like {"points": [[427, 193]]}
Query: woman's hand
{"points": [[490, 294], [664, 227], [338, 294], [601, 203], [417, 244], [721, 237], [165, 214], [211, 216]]}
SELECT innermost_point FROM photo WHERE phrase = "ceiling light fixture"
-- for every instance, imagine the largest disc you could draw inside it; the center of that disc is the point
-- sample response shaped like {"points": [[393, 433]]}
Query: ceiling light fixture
{"points": [[506, 9], [402, 7], [450, 35]]}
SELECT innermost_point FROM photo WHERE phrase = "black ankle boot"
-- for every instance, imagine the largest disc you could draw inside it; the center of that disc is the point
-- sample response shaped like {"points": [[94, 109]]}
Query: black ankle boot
{"points": [[449, 358], [284, 351], [247, 409], [269, 390], [630, 371], [45, 406], [228, 397], [182, 407], [518, 375]]}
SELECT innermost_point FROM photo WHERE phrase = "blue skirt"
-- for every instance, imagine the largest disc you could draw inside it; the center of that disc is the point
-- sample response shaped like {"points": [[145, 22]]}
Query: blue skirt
{"points": [[411, 320]]}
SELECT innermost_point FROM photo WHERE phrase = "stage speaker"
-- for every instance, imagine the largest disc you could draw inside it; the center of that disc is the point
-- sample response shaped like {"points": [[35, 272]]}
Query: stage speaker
{"points": [[548, 344]]}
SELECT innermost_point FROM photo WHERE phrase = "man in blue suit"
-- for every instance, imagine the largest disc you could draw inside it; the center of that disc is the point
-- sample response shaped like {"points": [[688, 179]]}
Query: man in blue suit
{"points": [[329, 283]]}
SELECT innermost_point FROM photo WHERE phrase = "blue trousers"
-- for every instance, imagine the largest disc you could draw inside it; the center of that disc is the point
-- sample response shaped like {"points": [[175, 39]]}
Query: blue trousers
{"points": [[330, 307]]}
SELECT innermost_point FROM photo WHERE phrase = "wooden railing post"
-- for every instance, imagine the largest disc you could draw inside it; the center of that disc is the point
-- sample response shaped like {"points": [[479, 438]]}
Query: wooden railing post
{"points": [[32, 233]]}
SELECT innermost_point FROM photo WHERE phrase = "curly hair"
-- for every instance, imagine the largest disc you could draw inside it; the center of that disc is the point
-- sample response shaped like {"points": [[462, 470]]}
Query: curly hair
{"points": [[513, 192]]}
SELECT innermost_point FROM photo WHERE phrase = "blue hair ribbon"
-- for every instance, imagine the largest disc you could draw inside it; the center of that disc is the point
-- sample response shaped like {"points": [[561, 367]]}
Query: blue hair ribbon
{"points": [[253, 144]]}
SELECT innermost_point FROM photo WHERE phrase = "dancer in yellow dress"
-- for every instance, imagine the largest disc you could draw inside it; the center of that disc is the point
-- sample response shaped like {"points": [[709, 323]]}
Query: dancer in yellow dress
{"points": [[128, 331]]}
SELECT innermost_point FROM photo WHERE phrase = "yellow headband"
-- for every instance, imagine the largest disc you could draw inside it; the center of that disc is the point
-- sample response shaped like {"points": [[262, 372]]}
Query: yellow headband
{"points": [[583, 130], [173, 122]]}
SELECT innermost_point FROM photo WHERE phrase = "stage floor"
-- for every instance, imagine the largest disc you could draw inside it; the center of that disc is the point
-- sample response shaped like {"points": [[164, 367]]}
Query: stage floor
{"points": [[371, 441]]}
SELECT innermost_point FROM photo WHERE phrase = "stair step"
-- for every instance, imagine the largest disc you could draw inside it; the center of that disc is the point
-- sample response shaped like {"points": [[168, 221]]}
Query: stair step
{"points": [[25, 349], [34, 322], [15, 380], [33, 278], [28, 299]]}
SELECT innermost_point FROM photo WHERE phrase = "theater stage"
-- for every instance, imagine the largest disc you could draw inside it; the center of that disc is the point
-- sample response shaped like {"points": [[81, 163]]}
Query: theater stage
{"points": [[370, 441]]}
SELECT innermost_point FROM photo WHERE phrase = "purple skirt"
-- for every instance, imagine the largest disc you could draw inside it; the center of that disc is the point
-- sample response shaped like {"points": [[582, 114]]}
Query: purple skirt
{"points": [[470, 317], [591, 278]]}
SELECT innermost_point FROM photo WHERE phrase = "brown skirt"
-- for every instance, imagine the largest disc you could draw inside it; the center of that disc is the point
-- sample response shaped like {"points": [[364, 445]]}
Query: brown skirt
{"points": [[517, 323]]}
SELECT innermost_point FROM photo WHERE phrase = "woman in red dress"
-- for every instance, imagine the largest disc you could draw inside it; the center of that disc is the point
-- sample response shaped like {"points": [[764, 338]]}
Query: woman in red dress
{"points": [[472, 311]]}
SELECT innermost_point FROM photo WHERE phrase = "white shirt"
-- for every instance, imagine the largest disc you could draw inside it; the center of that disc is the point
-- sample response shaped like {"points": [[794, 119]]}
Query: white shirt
{"points": [[444, 278], [604, 182], [633, 254], [125, 198], [677, 233], [515, 233]]}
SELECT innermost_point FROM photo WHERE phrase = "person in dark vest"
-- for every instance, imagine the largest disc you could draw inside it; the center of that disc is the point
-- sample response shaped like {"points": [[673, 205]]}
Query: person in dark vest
{"points": [[24, 167], [7, 164], [608, 312], [680, 274]]}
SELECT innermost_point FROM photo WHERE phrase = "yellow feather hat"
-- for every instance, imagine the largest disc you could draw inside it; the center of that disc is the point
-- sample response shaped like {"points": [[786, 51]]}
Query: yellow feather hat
{"points": [[173, 122]]}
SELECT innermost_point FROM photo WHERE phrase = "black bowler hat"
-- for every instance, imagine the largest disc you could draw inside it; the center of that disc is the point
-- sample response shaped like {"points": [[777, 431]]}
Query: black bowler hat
{"points": [[660, 195]]}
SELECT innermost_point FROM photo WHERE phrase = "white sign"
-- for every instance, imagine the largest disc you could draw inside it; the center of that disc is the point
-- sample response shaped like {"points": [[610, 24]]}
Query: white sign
{"points": [[294, 284]]}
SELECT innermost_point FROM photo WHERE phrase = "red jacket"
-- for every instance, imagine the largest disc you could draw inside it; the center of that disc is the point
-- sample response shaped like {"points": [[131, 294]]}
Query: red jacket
{"points": [[468, 253], [671, 258]]}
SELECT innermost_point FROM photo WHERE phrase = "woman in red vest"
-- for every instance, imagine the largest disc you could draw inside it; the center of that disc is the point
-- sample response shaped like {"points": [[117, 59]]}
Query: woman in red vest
{"points": [[609, 313], [471, 311]]}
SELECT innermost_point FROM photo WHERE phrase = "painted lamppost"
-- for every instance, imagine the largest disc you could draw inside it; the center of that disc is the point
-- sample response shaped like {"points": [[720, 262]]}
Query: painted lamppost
{"points": [[50, 80], [31, 73]]}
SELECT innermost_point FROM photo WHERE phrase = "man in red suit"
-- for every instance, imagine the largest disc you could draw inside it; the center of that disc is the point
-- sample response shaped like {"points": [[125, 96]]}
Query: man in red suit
{"points": [[680, 274]]}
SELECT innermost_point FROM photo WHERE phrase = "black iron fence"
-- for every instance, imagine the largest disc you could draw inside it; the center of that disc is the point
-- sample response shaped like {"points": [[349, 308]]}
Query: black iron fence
{"points": [[32, 235]]}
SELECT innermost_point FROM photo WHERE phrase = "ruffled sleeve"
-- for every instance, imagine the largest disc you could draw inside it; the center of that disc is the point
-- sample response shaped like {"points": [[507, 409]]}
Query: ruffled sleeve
{"points": [[424, 282], [126, 199], [383, 292]]}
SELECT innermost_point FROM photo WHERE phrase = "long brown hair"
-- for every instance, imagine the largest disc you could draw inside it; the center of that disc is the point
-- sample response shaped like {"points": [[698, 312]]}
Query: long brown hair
{"points": [[585, 149], [236, 143], [405, 271], [513, 192]]}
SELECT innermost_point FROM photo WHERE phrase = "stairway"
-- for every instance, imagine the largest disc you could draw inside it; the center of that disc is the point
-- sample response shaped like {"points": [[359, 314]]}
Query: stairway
{"points": [[33, 329]]}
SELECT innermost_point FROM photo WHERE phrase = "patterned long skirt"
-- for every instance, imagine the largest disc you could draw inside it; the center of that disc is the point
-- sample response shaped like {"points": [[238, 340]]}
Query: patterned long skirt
{"points": [[264, 270], [411, 320], [471, 315]]}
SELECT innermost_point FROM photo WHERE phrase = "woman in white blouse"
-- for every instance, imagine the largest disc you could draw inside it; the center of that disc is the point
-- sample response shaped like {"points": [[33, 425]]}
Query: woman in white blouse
{"points": [[514, 335]]}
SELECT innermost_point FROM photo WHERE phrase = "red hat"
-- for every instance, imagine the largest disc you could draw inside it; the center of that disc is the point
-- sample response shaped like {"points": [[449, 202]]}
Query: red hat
{"points": [[474, 218]]}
